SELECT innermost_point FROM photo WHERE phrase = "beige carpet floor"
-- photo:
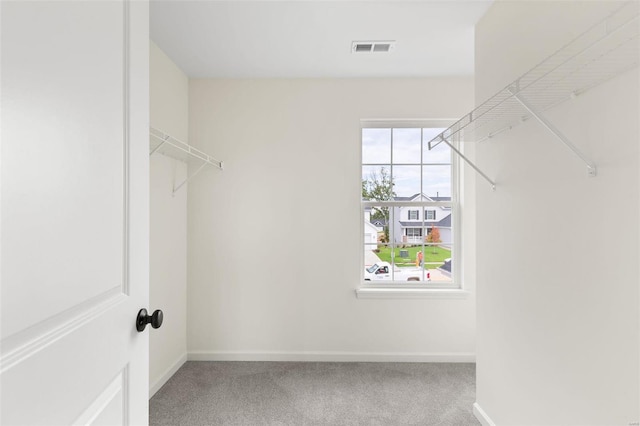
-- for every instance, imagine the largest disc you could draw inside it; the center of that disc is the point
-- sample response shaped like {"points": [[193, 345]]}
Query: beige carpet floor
{"points": [[314, 393]]}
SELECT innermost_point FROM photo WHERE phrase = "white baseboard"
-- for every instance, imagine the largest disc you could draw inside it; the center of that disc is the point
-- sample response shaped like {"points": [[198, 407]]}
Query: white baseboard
{"points": [[330, 356], [482, 416], [155, 387]]}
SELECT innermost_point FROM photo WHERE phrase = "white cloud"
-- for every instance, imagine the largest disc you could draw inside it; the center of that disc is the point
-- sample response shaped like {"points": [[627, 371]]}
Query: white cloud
{"points": [[407, 145], [376, 146]]}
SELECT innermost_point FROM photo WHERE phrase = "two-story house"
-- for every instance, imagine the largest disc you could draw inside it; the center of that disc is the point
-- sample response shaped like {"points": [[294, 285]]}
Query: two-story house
{"points": [[412, 224]]}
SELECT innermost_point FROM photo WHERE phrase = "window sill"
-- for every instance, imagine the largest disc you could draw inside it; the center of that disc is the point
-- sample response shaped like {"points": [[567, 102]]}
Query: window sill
{"points": [[411, 293]]}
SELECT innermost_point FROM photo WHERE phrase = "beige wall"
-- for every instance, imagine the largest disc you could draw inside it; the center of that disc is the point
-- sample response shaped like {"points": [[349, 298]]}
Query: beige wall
{"points": [[558, 337], [275, 238], [168, 222]]}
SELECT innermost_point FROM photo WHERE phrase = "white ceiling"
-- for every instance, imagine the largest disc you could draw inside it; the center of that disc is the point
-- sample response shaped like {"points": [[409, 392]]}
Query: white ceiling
{"points": [[298, 38]]}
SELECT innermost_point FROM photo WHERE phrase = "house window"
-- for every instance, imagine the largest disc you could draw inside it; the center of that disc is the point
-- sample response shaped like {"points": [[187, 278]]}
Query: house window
{"points": [[400, 178], [414, 232]]}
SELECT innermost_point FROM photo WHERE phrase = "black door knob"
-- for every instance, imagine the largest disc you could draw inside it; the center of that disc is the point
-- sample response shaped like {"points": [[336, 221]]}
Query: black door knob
{"points": [[144, 318]]}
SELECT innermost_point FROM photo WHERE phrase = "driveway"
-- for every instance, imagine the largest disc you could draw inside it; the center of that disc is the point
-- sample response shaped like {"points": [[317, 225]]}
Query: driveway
{"points": [[370, 258]]}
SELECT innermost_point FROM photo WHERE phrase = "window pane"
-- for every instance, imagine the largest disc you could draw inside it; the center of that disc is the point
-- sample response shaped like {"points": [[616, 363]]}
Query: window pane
{"points": [[437, 262], [438, 245], [436, 181], [376, 183], [408, 264], [376, 221], [376, 146], [408, 237], [376, 269], [406, 181], [441, 154], [439, 233], [370, 251], [406, 146], [376, 243]]}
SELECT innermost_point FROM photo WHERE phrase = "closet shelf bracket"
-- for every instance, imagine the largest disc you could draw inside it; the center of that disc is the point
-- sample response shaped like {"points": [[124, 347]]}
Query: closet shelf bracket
{"points": [[592, 171], [184, 182], [165, 144], [432, 145], [604, 51]]}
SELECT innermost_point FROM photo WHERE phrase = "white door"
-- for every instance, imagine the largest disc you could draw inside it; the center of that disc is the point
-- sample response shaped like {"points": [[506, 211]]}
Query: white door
{"points": [[74, 221]]}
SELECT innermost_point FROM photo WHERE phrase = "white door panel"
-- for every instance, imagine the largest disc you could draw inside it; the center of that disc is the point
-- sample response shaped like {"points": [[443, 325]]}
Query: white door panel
{"points": [[68, 375], [63, 182], [107, 409], [74, 212]]}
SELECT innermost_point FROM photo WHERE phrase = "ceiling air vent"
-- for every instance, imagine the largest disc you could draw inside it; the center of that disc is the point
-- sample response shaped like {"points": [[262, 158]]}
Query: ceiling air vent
{"points": [[372, 46]]}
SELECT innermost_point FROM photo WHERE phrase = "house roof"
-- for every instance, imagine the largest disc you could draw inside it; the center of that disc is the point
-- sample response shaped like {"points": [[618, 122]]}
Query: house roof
{"points": [[411, 224], [371, 226], [445, 222]]}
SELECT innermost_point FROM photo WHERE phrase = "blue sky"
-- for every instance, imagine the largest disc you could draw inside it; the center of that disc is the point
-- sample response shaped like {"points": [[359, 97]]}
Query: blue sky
{"points": [[406, 150]]}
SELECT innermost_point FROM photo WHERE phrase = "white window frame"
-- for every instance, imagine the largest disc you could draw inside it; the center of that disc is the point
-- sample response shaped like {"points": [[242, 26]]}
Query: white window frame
{"points": [[417, 289], [417, 214], [429, 214]]}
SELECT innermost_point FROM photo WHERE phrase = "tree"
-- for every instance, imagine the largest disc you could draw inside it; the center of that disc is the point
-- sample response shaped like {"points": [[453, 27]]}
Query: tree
{"points": [[379, 187], [434, 237]]}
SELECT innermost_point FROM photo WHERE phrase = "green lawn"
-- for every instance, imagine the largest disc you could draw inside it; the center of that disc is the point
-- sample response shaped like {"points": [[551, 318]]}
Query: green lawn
{"points": [[431, 260]]}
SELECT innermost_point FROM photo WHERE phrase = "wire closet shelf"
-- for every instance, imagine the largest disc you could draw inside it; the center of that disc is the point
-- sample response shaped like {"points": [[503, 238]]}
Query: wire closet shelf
{"points": [[604, 51], [163, 143]]}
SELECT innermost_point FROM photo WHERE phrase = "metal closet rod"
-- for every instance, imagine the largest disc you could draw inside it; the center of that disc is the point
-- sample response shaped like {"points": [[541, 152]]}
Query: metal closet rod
{"points": [[602, 52], [166, 139]]}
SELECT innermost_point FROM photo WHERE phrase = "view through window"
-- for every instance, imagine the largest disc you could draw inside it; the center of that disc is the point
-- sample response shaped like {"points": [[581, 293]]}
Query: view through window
{"points": [[409, 201]]}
